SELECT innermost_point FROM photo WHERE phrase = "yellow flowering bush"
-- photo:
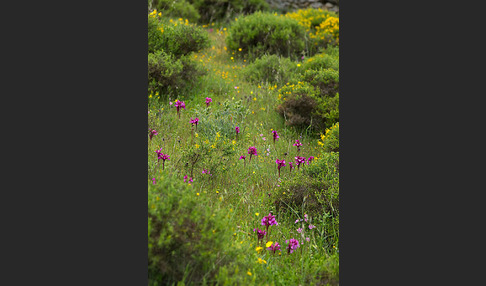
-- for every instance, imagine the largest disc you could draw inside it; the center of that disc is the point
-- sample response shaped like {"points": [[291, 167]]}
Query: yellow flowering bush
{"points": [[330, 139], [322, 27]]}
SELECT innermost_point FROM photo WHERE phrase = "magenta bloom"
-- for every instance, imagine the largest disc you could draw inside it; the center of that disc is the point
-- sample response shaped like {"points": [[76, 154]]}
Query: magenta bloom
{"points": [[206, 172], [291, 166], [194, 121], [153, 132], [298, 144], [252, 151], [185, 178], [180, 104], [311, 226], [244, 161], [299, 230], [310, 159], [237, 130], [299, 160], [153, 181], [274, 247], [162, 156], [280, 164], [269, 220], [260, 233], [293, 245], [275, 136], [208, 101]]}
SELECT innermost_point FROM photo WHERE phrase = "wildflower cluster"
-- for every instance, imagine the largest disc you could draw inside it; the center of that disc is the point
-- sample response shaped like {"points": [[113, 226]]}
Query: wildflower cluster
{"points": [[293, 245], [162, 156], [152, 133]]}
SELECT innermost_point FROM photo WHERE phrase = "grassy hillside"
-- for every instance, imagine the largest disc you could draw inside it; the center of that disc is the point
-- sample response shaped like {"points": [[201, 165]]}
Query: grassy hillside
{"points": [[207, 205]]}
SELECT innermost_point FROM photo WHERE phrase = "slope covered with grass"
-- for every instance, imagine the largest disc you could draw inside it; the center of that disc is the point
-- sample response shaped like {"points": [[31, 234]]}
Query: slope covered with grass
{"points": [[225, 206]]}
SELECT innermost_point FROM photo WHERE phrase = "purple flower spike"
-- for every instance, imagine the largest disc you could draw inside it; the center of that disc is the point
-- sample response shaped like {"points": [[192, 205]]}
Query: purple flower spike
{"points": [[252, 151], [297, 144], [274, 247], [194, 121], [293, 245], [260, 233], [162, 156], [299, 161], [310, 159], [280, 164], [275, 136], [153, 132], [179, 105], [208, 101], [269, 220]]}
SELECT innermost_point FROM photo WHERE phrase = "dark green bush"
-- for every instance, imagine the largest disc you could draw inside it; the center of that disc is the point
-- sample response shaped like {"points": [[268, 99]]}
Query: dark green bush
{"points": [[169, 75], [187, 241], [271, 69], [313, 102], [265, 33], [225, 11], [177, 9], [176, 37]]}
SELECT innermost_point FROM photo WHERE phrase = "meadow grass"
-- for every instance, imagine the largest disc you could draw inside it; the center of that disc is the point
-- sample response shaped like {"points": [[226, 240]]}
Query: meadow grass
{"points": [[244, 191]]}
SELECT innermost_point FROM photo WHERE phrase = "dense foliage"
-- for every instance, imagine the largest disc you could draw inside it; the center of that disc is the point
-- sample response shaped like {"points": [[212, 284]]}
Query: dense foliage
{"points": [[266, 33]]}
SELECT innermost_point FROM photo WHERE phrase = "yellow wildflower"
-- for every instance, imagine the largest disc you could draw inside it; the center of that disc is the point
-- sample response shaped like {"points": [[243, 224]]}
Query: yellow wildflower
{"points": [[261, 261]]}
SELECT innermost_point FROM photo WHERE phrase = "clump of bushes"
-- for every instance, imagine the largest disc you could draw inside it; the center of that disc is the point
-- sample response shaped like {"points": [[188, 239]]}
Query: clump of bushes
{"points": [[169, 75], [271, 69], [265, 33], [170, 43], [177, 37], [187, 241], [224, 11]]}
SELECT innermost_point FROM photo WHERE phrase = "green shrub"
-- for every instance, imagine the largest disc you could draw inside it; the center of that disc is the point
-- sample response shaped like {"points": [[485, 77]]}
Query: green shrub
{"points": [[177, 9], [225, 11], [271, 69], [313, 102], [169, 75], [265, 33], [176, 37], [330, 140], [187, 241], [321, 61]]}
